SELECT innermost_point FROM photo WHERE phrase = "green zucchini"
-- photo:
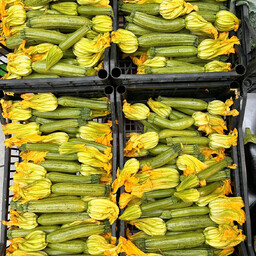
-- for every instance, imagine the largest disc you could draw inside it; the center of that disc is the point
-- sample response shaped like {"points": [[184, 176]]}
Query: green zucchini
{"points": [[189, 223], [208, 15], [58, 157], [150, 126], [162, 39], [64, 113], [81, 189], [95, 10], [156, 194], [187, 140], [187, 111], [54, 197], [74, 246], [221, 175], [174, 70], [191, 252], [58, 22], [208, 189], [47, 36], [207, 6], [180, 124], [162, 158], [61, 166], [61, 218], [190, 103], [173, 51], [50, 147], [163, 134], [53, 252], [156, 23], [137, 30], [99, 146], [67, 178], [167, 243], [77, 231], [19, 232], [41, 76], [50, 206], [151, 9]]}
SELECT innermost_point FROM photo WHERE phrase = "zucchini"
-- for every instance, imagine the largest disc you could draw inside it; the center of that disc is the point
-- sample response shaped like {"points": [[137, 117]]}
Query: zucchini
{"points": [[162, 39], [187, 140], [161, 193], [213, 169], [67, 178], [187, 111], [156, 23], [163, 134], [151, 127], [191, 252], [58, 22], [61, 166], [173, 51], [78, 231], [65, 113], [190, 103], [189, 223], [137, 30], [95, 10], [53, 252], [207, 6], [162, 158], [166, 243], [59, 125], [151, 9], [179, 124], [99, 146], [50, 147], [76, 102], [19, 232], [40, 76], [81, 189], [61, 218], [221, 175], [208, 189], [47, 36], [74, 246], [58, 157], [50, 206], [208, 15], [174, 70]]}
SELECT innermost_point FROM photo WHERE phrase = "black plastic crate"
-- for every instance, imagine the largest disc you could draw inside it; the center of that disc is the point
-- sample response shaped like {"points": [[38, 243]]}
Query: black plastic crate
{"points": [[247, 154], [53, 84], [12, 154], [123, 71], [203, 90]]}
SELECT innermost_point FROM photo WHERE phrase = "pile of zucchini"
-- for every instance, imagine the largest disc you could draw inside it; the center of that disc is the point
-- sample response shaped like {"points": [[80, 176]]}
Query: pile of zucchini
{"points": [[177, 179], [174, 36], [61, 192], [54, 39]]}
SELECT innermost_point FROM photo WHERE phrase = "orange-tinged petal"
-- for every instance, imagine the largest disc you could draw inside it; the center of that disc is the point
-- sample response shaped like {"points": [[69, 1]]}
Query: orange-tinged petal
{"points": [[34, 156]]}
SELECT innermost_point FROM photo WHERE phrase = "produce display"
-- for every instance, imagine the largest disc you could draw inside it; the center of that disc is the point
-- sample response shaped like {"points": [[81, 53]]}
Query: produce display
{"points": [[61, 200], [54, 39], [174, 36], [177, 192]]}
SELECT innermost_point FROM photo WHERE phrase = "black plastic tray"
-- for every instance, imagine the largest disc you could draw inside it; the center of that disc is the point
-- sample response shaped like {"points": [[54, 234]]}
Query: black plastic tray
{"points": [[12, 154], [203, 90], [54, 84], [246, 154], [123, 71]]}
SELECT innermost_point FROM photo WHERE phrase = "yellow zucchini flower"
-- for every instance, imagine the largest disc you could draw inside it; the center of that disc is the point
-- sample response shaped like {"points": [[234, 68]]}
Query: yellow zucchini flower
{"points": [[190, 164], [21, 130], [13, 111], [131, 213], [224, 236], [160, 108], [124, 200], [97, 132], [35, 241], [130, 168], [151, 226], [71, 148], [219, 154], [94, 2], [24, 253], [223, 141], [56, 138], [224, 252], [217, 66], [93, 157], [138, 141], [141, 153], [42, 102], [209, 123], [19, 64], [89, 170], [218, 107], [210, 48], [199, 26], [126, 40], [138, 60], [90, 60], [27, 173], [25, 220], [37, 190], [102, 209], [156, 62], [227, 210], [226, 21], [102, 23], [190, 181], [34, 156], [137, 111], [129, 248], [172, 9], [188, 195], [68, 8]]}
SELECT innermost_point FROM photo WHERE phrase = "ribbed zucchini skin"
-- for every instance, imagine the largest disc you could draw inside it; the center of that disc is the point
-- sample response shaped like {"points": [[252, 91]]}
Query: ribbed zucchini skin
{"points": [[61, 166], [74, 246], [151, 9]]}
